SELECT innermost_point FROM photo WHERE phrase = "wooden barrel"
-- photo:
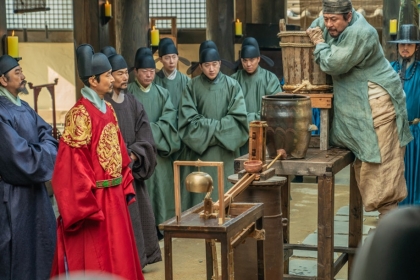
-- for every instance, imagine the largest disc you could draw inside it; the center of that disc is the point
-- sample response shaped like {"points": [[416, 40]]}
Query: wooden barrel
{"points": [[299, 64], [245, 263]]}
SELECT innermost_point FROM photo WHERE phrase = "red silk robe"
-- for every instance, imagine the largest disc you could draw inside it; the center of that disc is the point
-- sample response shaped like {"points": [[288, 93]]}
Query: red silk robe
{"points": [[94, 229]]}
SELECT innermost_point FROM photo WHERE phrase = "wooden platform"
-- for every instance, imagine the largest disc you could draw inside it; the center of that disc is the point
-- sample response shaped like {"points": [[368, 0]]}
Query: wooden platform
{"points": [[324, 164], [244, 219]]}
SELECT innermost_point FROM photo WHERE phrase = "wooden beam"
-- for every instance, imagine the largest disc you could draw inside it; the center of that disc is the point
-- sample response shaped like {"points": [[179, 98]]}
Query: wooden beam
{"points": [[220, 28], [131, 27], [391, 10], [90, 27], [3, 26], [268, 11]]}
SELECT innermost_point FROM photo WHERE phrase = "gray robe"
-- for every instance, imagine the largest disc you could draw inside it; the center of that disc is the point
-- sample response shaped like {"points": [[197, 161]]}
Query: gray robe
{"points": [[138, 137]]}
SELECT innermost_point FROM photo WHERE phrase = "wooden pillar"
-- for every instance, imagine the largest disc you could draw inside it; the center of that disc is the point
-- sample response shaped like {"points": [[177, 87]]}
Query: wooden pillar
{"points": [[220, 28], [131, 27], [243, 12], [268, 11], [90, 27], [3, 26], [391, 10]]}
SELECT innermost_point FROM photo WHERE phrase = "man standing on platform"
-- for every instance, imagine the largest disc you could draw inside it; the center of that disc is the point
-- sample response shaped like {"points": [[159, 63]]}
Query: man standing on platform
{"points": [[169, 77], [370, 117], [28, 152], [408, 68], [138, 137], [255, 81], [212, 119], [162, 116], [92, 182]]}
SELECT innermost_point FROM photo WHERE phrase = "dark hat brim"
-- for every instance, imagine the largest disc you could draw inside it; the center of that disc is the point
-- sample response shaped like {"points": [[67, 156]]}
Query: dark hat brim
{"points": [[268, 60], [184, 60], [404, 42], [7, 63], [224, 62]]}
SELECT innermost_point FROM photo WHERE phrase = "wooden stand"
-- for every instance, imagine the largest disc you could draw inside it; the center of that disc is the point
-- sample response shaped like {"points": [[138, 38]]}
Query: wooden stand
{"points": [[323, 101], [324, 165], [245, 221]]}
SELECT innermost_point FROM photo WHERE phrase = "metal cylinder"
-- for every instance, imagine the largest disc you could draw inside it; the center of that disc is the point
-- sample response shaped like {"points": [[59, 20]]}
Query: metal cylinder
{"points": [[245, 262], [288, 117]]}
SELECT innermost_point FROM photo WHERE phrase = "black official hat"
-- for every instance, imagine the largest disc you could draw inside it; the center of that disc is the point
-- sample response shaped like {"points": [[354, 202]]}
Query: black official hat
{"points": [[251, 49], [209, 44], [90, 63], [407, 34], [167, 46], [144, 58], [209, 55], [117, 61], [7, 63]]}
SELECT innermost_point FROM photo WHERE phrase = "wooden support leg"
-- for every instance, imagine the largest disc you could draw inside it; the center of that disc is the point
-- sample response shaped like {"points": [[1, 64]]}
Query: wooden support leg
{"points": [[325, 128], [225, 258], [260, 252], [168, 256], [285, 209], [325, 227], [355, 217], [209, 259]]}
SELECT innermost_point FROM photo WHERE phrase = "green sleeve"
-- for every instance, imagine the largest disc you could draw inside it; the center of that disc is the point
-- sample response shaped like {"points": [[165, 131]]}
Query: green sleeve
{"points": [[164, 129], [351, 50], [196, 131], [232, 131]]}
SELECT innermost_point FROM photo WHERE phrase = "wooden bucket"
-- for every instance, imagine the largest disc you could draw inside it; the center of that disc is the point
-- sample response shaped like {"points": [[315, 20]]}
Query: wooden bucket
{"points": [[299, 64]]}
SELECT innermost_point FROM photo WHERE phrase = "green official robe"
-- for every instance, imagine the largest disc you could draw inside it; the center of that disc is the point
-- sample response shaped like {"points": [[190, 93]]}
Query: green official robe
{"points": [[212, 124], [254, 87], [162, 118], [353, 59], [175, 86]]}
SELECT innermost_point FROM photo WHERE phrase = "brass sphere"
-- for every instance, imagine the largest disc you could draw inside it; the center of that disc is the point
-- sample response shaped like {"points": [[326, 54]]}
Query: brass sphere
{"points": [[198, 182]]}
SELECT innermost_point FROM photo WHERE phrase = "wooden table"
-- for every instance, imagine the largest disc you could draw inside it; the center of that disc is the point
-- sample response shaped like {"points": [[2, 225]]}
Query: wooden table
{"points": [[324, 165], [246, 218]]}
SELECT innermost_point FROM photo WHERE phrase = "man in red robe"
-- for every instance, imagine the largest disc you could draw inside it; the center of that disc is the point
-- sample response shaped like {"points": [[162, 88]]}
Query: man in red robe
{"points": [[92, 182]]}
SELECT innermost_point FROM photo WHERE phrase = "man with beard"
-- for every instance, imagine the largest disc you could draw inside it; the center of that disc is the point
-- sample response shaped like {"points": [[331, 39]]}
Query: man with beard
{"points": [[138, 137], [28, 152], [92, 181], [212, 119], [169, 77], [255, 81], [370, 116], [408, 68], [162, 117]]}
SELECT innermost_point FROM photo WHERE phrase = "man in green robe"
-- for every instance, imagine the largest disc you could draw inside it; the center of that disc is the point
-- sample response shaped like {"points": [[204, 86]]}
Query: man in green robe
{"points": [[169, 77], [162, 118], [370, 116], [255, 81], [212, 120]]}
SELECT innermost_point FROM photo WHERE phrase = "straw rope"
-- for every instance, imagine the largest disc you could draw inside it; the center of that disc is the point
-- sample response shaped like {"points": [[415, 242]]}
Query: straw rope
{"points": [[297, 45], [292, 44], [306, 85], [292, 33]]}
